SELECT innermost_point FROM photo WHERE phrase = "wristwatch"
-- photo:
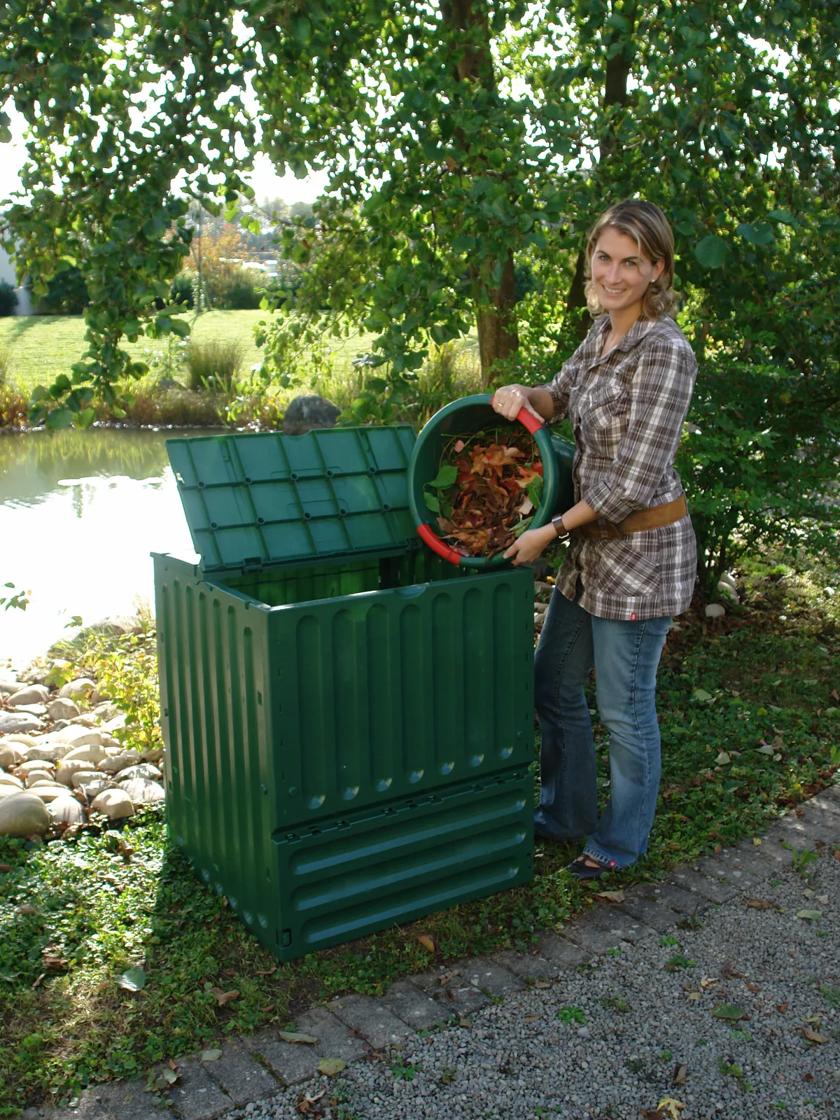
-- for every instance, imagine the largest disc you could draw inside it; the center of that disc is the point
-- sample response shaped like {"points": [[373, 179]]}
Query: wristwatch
{"points": [[559, 528]]}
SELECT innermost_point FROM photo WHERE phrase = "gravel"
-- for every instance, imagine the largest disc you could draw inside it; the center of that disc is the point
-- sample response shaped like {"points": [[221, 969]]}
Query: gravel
{"points": [[633, 1029]]}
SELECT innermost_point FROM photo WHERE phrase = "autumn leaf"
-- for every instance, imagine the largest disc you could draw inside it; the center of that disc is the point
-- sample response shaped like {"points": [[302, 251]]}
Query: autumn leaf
{"points": [[610, 896], [680, 1075], [223, 998], [331, 1067], [671, 1108], [809, 915], [297, 1036], [729, 1012], [210, 1055], [813, 1036], [133, 980], [761, 904], [427, 942]]}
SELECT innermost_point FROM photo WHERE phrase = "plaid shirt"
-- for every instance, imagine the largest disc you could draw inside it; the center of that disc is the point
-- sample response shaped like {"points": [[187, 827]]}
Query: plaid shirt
{"points": [[627, 409]]}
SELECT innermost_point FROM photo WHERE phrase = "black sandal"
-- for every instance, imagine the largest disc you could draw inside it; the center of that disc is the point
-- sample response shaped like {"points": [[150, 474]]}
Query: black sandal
{"points": [[586, 867]]}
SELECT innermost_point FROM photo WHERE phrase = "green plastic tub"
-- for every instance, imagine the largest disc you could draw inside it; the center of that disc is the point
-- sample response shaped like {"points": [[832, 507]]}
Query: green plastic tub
{"points": [[471, 414]]}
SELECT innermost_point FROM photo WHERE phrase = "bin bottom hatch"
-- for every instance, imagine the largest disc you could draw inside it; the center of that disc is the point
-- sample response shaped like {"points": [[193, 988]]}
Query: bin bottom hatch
{"points": [[352, 876]]}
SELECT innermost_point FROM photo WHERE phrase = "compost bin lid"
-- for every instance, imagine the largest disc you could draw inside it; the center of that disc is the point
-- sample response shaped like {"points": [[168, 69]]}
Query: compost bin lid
{"points": [[263, 498]]}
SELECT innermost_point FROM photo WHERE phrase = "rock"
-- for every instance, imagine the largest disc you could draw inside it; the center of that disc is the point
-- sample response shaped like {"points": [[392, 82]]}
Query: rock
{"points": [[8, 790], [39, 710], [62, 708], [143, 770], [116, 723], [67, 810], [26, 768], [143, 791], [77, 735], [19, 721], [23, 815], [155, 754], [715, 610], [113, 764], [9, 685], [115, 804], [29, 694], [106, 710], [48, 750], [307, 412], [12, 780], [90, 783], [35, 776], [10, 755], [47, 790], [21, 740], [91, 754], [78, 689], [68, 767]]}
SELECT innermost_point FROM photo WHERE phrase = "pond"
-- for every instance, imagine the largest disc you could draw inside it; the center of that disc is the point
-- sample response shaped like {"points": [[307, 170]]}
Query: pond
{"points": [[79, 514]]}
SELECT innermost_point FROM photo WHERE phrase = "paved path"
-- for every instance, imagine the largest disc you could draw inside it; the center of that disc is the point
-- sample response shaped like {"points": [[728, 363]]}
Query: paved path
{"points": [[716, 992]]}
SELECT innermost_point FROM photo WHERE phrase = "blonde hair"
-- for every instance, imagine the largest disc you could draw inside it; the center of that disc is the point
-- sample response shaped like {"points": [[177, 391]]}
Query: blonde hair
{"points": [[648, 227]]}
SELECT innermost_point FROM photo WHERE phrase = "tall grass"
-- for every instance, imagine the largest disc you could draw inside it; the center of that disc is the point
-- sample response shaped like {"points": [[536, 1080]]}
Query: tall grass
{"points": [[215, 365]]}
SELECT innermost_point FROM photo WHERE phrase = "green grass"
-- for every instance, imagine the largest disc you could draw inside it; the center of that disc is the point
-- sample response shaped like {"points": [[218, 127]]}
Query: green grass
{"points": [[75, 915], [39, 347]]}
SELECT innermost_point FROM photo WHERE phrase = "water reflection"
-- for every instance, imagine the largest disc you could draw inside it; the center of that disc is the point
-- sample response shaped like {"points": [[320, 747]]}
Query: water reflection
{"points": [[79, 514]]}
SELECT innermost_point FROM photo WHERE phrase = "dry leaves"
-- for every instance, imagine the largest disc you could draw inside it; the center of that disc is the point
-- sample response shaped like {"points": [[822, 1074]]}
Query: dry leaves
{"points": [[486, 490], [813, 1036], [610, 896], [761, 904], [427, 942], [223, 998], [298, 1037]]}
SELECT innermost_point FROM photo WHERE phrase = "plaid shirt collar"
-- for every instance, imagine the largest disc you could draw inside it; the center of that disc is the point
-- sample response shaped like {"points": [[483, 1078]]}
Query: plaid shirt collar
{"points": [[640, 329]]}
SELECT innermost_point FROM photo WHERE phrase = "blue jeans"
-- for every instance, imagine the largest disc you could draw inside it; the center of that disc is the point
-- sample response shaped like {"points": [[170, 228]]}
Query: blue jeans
{"points": [[625, 656]]}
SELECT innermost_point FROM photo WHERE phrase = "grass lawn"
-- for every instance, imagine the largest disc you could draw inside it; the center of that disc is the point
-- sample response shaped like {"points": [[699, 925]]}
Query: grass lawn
{"points": [[75, 915], [39, 347]]}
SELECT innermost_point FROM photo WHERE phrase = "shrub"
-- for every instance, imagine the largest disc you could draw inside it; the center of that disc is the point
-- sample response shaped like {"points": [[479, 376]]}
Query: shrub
{"points": [[66, 294], [214, 365], [240, 290], [181, 291], [8, 298], [14, 407]]}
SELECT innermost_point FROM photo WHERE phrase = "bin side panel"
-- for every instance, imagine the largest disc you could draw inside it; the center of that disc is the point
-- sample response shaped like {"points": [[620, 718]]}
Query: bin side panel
{"points": [[358, 875], [212, 650], [385, 695]]}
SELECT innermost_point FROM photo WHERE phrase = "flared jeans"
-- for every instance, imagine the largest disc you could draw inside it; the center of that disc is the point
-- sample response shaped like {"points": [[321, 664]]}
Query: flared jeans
{"points": [[625, 656]]}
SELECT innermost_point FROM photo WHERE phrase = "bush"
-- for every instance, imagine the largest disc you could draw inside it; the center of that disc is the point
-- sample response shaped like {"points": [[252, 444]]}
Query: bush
{"points": [[241, 290], [14, 407], [66, 294], [214, 365], [181, 291], [8, 298]]}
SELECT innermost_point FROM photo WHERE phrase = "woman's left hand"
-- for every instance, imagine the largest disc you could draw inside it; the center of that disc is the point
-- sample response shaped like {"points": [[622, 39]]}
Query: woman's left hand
{"points": [[530, 546]]}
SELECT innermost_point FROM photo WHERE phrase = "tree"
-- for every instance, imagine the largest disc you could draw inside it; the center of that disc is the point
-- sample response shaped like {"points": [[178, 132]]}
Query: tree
{"points": [[462, 138]]}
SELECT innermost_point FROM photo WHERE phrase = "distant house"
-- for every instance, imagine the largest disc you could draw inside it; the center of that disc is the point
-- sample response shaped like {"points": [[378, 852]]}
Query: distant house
{"points": [[8, 274]]}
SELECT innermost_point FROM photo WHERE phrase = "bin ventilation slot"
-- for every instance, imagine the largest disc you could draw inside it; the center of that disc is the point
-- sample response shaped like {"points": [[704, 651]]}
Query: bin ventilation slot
{"points": [[272, 498]]}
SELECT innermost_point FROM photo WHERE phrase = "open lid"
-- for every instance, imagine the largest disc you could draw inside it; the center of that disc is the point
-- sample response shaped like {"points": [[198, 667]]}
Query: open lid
{"points": [[263, 498]]}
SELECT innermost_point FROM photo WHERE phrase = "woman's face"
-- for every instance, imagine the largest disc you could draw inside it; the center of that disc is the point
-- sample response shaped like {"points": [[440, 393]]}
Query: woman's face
{"points": [[620, 272]]}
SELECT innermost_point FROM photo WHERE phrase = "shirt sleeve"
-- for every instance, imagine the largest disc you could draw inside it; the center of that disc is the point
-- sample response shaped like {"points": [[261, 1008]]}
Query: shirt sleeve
{"points": [[660, 393]]}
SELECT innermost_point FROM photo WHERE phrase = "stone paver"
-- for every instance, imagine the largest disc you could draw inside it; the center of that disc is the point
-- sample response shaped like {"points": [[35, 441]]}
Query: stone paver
{"points": [[335, 1040], [528, 966], [196, 1096], [127, 1100], [240, 1075], [712, 889], [449, 987], [491, 978], [372, 1020], [416, 1008], [683, 902], [290, 1062], [649, 911], [561, 952]]}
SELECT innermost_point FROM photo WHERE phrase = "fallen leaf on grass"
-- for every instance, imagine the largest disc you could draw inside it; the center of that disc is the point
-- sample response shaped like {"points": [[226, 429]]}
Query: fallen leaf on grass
{"points": [[722, 759], [331, 1066], [809, 915], [813, 1036], [729, 1012], [610, 896], [761, 904], [223, 998], [427, 942], [133, 980], [210, 1055], [297, 1036]]}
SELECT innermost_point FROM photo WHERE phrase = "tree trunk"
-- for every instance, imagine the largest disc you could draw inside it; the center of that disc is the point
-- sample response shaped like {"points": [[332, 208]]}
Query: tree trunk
{"points": [[497, 336], [616, 74]]}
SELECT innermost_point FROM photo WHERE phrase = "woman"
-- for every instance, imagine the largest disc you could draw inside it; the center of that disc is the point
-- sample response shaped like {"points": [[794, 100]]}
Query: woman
{"points": [[631, 563]]}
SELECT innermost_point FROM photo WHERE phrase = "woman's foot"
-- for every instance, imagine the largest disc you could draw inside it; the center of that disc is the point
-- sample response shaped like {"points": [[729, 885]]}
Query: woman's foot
{"points": [[585, 867]]}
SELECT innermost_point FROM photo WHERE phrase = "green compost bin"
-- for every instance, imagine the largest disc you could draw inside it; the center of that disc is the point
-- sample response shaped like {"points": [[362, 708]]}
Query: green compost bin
{"points": [[348, 718], [461, 418]]}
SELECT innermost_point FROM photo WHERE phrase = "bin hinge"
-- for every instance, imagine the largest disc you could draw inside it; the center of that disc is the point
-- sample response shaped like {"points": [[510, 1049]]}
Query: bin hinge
{"points": [[252, 563]]}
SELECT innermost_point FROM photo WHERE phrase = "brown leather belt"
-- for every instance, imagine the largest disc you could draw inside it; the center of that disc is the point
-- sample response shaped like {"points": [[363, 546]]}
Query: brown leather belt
{"points": [[637, 522]]}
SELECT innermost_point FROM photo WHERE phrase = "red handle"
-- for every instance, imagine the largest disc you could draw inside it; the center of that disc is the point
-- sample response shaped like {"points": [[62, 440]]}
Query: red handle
{"points": [[438, 546], [529, 420]]}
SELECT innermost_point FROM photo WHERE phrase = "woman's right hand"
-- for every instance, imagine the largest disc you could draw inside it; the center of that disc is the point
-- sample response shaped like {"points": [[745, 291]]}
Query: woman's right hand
{"points": [[510, 399]]}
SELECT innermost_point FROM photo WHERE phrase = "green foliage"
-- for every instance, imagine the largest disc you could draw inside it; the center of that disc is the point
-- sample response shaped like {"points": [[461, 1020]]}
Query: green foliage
{"points": [[215, 365], [65, 293], [8, 298]]}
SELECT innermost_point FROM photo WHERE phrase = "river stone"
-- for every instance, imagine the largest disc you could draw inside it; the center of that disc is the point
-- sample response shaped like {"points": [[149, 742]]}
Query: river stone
{"points": [[68, 768], [114, 804], [19, 721], [90, 783], [48, 750], [23, 815], [154, 754], [79, 689], [47, 790], [11, 780], [7, 790], [34, 764], [10, 755], [113, 764], [143, 770], [29, 694], [142, 791], [9, 685], [307, 412], [62, 708], [42, 776], [115, 723], [66, 810], [715, 610], [20, 740]]}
